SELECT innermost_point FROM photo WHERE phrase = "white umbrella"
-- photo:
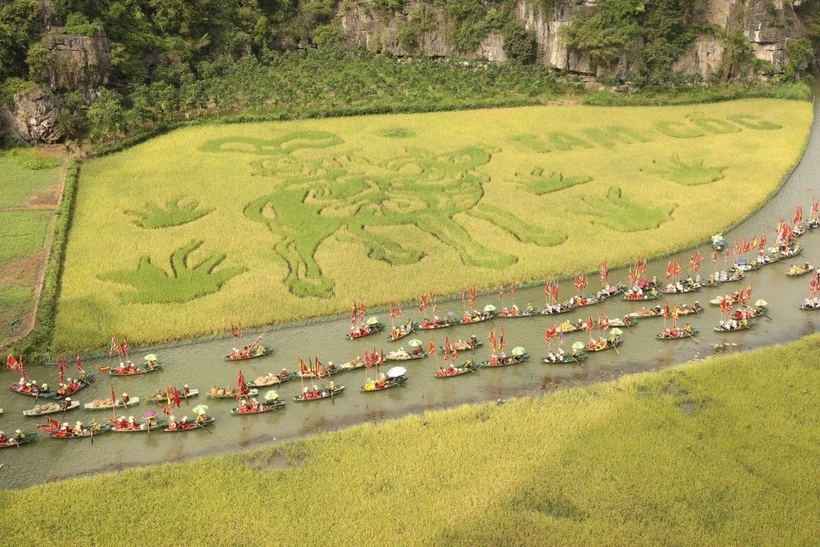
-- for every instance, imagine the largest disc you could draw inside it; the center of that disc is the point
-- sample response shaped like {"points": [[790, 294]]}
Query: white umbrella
{"points": [[489, 308], [271, 395], [414, 343], [578, 345], [518, 351], [616, 331], [372, 320], [761, 303], [395, 372]]}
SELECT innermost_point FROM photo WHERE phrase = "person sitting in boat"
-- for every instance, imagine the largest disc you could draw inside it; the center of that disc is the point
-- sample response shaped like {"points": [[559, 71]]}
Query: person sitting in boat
{"points": [[467, 317], [3, 437], [315, 394], [666, 333], [172, 423], [234, 353], [254, 406], [125, 399], [602, 343], [473, 341], [201, 418], [184, 422], [417, 350], [441, 372], [369, 385], [121, 422], [733, 324], [131, 423], [529, 309], [425, 324], [243, 406], [687, 329], [493, 360], [78, 429], [246, 352], [19, 435], [260, 350], [283, 375], [66, 403], [450, 370], [382, 381]]}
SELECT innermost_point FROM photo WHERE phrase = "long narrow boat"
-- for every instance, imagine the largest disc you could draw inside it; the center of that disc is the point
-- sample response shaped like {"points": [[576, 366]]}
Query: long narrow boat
{"points": [[625, 321], [329, 370], [105, 404], [644, 297], [50, 408], [137, 371], [189, 426], [27, 438], [515, 313], [32, 390], [810, 305], [230, 393], [87, 432], [400, 332], [464, 368], [366, 330], [736, 329], [461, 345], [717, 278], [372, 387], [447, 322], [608, 345], [354, 364], [797, 271], [238, 355], [683, 289], [506, 361], [271, 379], [676, 334], [556, 309], [161, 396], [475, 317], [682, 310], [73, 387], [404, 356], [608, 292], [325, 393], [139, 428], [748, 312], [266, 407], [564, 359]]}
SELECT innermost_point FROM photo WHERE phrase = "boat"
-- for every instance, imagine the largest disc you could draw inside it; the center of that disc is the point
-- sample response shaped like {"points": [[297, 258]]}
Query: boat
{"points": [[402, 355], [230, 393], [447, 322], [719, 243], [271, 379], [470, 318], [608, 344], [383, 383], [462, 345], [749, 312], [13, 441], [732, 298], [557, 309], [262, 407], [797, 271], [504, 361], [739, 327], [810, 305], [353, 364], [625, 321], [87, 432], [50, 408], [676, 334], [134, 371], [161, 396], [608, 292], [179, 426], [324, 393], [365, 330], [564, 359], [514, 313], [682, 288], [397, 333], [465, 368], [319, 372], [641, 297], [134, 427], [105, 404], [746, 267], [31, 389], [717, 278], [243, 355], [73, 387]]}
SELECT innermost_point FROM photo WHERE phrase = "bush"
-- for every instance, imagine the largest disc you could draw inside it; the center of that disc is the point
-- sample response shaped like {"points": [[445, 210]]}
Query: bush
{"points": [[519, 43]]}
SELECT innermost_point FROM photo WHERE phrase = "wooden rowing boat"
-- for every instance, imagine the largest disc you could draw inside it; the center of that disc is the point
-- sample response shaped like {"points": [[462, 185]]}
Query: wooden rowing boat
{"points": [[372, 387], [139, 428], [445, 323], [87, 432], [230, 393], [679, 335], [797, 271], [683, 289], [105, 404], [72, 388], [266, 407], [33, 391], [564, 359], [635, 297], [180, 427], [325, 393], [400, 332], [464, 368], [50, 408], [266, 350], [137, 371], [506, 361], [737, 329], [366, 330], [515, 313], [27, 438], [404, 356], [557, 309], [809, 307], [609, 345], [272, 379], [463, 346], [161, 396]]}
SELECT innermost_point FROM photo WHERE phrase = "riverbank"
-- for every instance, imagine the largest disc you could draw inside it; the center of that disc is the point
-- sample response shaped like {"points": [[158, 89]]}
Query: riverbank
{"points": [[722, 451]]}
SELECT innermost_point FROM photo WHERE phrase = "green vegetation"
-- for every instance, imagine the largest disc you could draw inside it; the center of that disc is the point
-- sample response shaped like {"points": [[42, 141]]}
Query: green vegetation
{"points": [[24, 233], [174, 215], [302, 208], [691, 174], [26, 173], [721, 452]]}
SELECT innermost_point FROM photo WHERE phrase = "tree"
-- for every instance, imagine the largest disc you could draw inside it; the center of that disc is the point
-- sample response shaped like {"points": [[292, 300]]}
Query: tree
{"points": [[106, 117]]}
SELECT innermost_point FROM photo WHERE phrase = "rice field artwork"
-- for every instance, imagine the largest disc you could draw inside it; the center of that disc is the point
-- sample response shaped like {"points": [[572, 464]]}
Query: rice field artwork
{"points": [[281, 221]]}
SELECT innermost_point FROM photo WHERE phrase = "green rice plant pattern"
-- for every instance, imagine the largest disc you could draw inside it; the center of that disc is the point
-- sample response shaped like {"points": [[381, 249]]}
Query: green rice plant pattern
{"points": [[539, 184], [173, 215], [694, 173], [185, 282], [620, 214], [316, 198]]}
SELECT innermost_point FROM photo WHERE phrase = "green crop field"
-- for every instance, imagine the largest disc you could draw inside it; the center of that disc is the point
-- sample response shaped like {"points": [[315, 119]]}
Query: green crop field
{"points": [[720, 452], [274, 222]]}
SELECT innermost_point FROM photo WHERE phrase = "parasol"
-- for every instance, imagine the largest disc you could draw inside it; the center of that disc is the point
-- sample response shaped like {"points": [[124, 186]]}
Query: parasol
{"points": [[518, 351], [396, 372], [616, 331], [200, 409], [578, 345], [271, 395], [415, 342], [489, 308], [761, 302], [148, 414], [373, 321], [151, 357], [741, 261]]}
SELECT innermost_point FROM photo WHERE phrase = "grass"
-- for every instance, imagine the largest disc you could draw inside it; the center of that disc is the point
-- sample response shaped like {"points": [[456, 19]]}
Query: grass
{"points": [[23, 174], [720, 452], [433, 202], [24, 233]]}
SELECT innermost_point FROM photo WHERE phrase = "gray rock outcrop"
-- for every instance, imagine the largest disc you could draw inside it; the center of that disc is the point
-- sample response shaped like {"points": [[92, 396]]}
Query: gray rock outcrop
{"points": [[78, 62], [35, 117]]}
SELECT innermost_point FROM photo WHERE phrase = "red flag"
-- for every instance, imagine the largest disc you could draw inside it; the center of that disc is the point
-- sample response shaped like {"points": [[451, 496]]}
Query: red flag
{"points": [[555, 292], [798, 214], [491, 338], [115, 346], [80, 365], [512, 289], [472, 296], [422, 302], [590, 324], [815, 207], [303, 368], [666, 312], [431, 349], [714, 256], [353, 314], [501, 342], [547, 289], [124, 346], [320, 368], [362, 310], [749, 293], [392, 315], [240, 380], [501, 292], [113, 396], [577, 282], [177, 398], [62, 365], [165, 410], [604, 274], [233, 331], [813, 285], [398, 310], [548, 335], [11, 362], [763, 242]]}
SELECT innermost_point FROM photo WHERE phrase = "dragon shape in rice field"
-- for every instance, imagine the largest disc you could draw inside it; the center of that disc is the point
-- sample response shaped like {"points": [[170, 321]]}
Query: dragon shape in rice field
{"points": [[345, 195]]}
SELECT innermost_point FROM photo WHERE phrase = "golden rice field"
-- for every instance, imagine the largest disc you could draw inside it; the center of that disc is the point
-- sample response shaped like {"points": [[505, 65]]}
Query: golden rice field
{"points": [[274, 222], [720, 452]]}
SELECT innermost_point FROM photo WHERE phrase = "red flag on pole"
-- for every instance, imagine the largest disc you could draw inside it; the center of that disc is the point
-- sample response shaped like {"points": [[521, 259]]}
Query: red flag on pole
{"points": [[115, 346], [124, 346], [501, 342], [234, 333], [353, 314], [501, 292], [422, 302], [177, 398], [431, 349], [113, 396], [590, 324], [11, 362], [512, 289], [604, 274], [398, 310]]}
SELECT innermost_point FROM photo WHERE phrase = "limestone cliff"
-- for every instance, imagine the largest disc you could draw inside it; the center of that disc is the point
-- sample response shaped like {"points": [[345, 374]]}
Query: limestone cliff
{"points": [[77, 62]]}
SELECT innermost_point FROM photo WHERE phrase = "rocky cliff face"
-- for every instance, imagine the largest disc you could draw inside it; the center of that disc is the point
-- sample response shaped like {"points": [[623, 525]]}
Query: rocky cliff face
{"points": [[34, 119], [767, 24], [77, 62]]}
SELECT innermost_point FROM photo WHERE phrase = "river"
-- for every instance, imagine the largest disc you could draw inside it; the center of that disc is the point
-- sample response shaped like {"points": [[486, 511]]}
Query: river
{"points": [[199, 363]]}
